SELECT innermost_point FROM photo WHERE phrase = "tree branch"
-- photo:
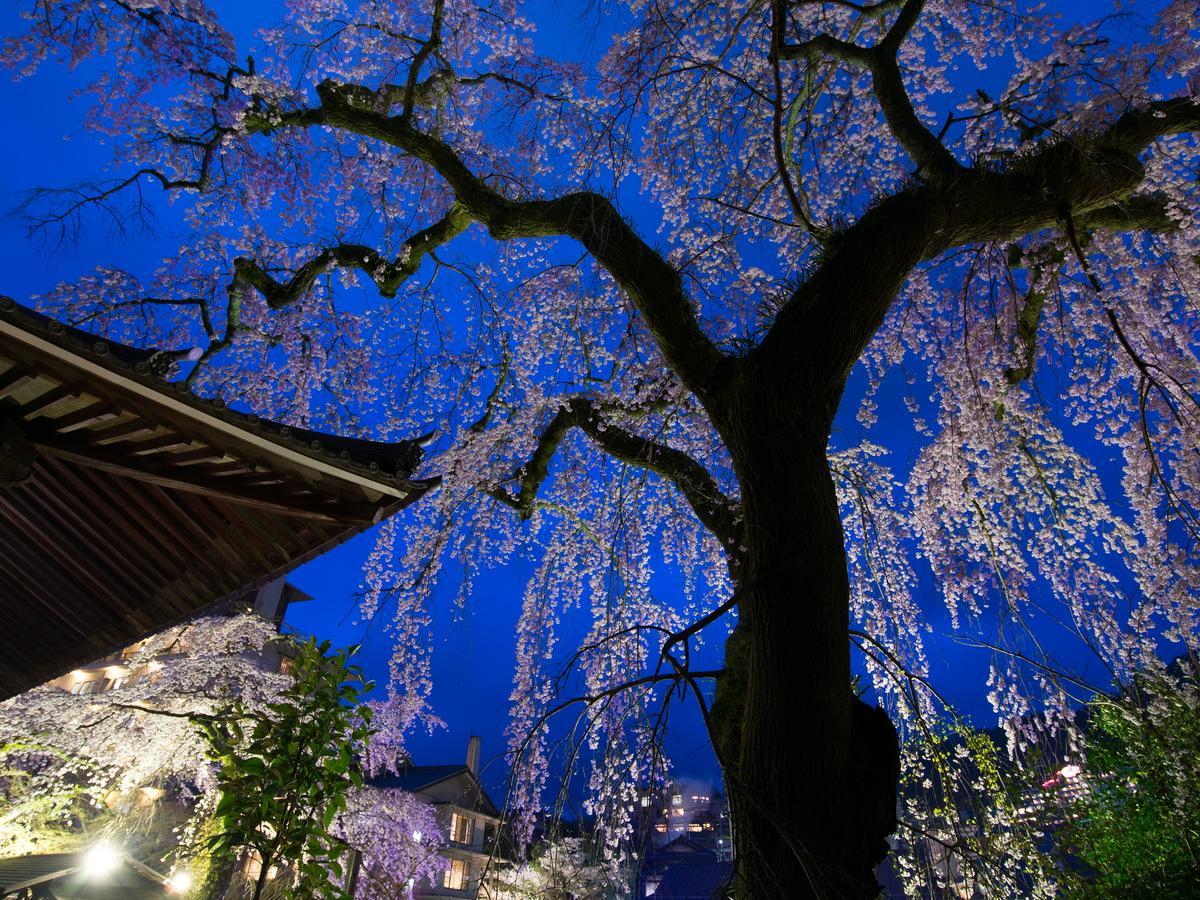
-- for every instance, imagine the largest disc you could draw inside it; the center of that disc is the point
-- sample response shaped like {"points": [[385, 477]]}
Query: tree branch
{"points": [[824, 327], [651, 283], [778, 28], [715, 511], [933, 160], [388, 276], [427, 48]]}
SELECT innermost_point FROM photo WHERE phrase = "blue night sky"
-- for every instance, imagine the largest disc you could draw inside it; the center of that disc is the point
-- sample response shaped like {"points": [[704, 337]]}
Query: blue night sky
{"points": [[473, 658]]}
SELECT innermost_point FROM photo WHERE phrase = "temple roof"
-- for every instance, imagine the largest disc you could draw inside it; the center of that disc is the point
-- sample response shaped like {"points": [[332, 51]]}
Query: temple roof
{"points": [[127, 502]]}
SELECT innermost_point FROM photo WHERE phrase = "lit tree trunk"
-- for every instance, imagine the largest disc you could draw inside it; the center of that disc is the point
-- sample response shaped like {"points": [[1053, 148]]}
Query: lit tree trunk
{"points": [[813, 769]]}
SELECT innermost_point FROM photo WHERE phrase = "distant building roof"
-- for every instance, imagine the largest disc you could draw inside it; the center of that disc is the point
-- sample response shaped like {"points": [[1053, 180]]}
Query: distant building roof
{"points": [[419, 778], [685, 845], [129, 503], [694, 881], [60, 875], [413, 778]]}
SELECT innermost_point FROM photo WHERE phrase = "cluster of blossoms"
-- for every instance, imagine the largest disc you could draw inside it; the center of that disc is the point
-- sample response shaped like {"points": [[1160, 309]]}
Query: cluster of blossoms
{"points": [[86, 761], [129, 761], [564, 866], [400, 837]]}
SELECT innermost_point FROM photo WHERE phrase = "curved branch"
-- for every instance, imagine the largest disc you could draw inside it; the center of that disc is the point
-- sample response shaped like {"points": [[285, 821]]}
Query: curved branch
{"points": [[778, 26], [829, 319], [717, 513], [427, 49], [934, 162], [652, 284], [869, 10], [388, 276]]}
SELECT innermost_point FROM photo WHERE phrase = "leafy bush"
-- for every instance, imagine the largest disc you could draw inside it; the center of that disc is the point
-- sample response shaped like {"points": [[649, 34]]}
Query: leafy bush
{"points": [[285, 771], [1137, 833]]}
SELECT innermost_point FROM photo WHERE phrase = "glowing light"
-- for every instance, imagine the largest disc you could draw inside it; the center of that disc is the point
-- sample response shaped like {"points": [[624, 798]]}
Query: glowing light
{"points": [[180, 882], [101, 860], [1069, 771]]}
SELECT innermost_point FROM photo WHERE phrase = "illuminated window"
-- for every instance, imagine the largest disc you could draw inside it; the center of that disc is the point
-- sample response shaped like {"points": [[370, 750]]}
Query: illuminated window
{"points": [[694, 826], [645, 801], [460, 829], [92, 686], [677, 800], [457, 875], [661, 828]]}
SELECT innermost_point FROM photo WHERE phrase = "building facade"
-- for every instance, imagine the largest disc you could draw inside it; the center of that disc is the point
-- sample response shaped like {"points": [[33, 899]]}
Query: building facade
{"points": [[468, 819]]}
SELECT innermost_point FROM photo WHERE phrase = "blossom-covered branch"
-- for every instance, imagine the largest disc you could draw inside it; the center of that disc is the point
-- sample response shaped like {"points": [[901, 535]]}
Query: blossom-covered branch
{"points": [[715, 510], [649, 280]]}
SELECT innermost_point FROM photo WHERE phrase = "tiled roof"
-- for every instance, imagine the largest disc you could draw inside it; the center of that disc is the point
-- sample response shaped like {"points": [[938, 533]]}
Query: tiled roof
{"points": [[414, 778], [388, 461], [127, 503], [694, 881]]}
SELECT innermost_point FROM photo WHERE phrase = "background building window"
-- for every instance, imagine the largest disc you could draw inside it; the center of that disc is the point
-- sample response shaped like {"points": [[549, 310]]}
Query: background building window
{"points": [[460, 828], [457, 875]]}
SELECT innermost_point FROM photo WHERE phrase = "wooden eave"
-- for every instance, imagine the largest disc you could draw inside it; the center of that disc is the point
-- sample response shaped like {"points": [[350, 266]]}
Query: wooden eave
{"points": [[142, 503]]}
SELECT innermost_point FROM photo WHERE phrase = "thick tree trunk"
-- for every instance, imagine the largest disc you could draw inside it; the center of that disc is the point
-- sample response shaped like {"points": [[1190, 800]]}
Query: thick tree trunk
{"points": [[814, 770]]}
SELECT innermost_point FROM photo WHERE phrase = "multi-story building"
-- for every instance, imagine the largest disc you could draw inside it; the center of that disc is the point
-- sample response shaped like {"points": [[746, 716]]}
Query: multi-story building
{"points": [[684, 809], [467, 816], [682, 839], [131, 666]]}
